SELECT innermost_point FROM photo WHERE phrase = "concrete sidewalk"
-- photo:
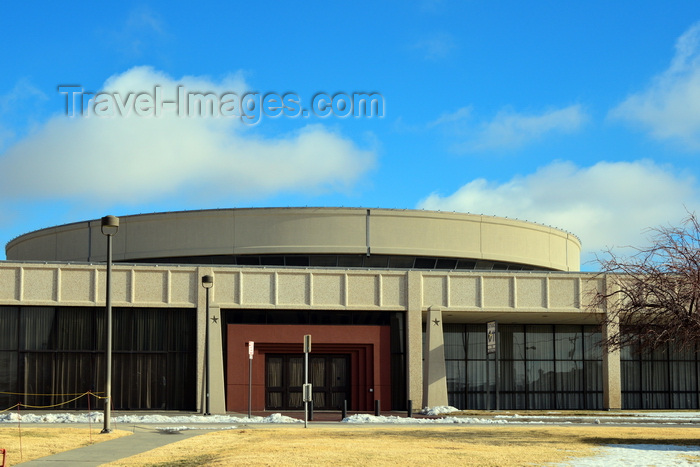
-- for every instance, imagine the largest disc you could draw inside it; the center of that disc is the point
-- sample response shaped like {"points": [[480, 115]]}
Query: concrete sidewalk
{"points": [[142, 440]]}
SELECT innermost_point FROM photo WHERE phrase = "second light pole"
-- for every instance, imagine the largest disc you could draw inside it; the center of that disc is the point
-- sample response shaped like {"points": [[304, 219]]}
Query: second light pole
{"points": [[207, 283]]}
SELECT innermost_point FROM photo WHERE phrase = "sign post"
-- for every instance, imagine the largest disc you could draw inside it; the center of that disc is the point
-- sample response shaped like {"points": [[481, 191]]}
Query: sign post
{"points": [[491, 348], [307, 391], [251, 347]]}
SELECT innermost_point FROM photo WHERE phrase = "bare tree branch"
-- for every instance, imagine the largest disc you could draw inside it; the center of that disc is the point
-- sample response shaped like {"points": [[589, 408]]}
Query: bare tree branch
{"points": [[654, 294]]}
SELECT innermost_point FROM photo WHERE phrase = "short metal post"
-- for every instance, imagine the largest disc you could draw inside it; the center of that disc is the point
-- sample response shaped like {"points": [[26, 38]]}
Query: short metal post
{"points": [[250, 385], [410, 408], [345, 410], [311, 410], [377, 406], [307, 391], [306, 381]]}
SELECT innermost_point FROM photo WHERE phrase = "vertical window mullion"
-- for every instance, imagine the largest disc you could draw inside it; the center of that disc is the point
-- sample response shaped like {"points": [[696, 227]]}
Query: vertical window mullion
{"points": [[582, 382], [555, 392], [640, 391], [669, 389], [466, 374], [525, 363]]}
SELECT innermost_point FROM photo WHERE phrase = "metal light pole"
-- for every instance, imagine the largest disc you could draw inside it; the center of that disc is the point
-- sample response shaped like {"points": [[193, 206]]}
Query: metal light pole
{"points": [[207, 283], [109, 227]]}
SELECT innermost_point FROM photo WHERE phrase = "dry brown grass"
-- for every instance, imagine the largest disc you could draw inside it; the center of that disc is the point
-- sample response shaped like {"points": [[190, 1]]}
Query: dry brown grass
{"points": [[36, 442], [401, 445]]}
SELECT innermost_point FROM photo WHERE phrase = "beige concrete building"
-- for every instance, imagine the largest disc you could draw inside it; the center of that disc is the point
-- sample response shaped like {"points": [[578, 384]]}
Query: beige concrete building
{"points": [[396, 303]]}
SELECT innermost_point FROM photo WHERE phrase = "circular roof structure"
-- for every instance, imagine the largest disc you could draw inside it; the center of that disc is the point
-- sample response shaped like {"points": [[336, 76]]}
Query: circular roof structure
{"points": [[227, 234]]}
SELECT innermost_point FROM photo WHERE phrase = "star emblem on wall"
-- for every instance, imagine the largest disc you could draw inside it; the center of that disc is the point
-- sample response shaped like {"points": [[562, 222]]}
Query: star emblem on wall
{"points": [[436, 322], [214, 319]]}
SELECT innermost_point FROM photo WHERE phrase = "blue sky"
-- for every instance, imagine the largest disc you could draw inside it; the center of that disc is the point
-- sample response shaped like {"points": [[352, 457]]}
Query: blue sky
{"points": [[580, 115]]}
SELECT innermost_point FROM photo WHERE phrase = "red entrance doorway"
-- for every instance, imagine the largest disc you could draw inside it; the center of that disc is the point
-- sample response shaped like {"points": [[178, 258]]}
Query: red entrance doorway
{"points": [[365, 351], [329, 376]]}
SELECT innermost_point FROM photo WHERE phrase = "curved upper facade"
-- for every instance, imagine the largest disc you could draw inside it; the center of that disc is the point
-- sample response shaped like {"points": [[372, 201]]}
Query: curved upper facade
{"points": [[306, 231]]}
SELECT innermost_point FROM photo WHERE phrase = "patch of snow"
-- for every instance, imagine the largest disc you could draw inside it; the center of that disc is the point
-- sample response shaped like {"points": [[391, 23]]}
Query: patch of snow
{"points": [[391, 419], [278, 418], [690, 415], [439, 410], [175, 429], [622, 419], [638, 455], [97, 417]]}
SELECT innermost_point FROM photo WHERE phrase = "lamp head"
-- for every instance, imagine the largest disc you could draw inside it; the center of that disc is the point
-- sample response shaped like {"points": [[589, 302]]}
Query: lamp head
{"points": [[207, 281], [109, 225]]}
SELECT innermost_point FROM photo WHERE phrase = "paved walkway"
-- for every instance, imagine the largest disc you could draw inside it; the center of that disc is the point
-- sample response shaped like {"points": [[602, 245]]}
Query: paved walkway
{"points": [[145, 438], [142, 440]]}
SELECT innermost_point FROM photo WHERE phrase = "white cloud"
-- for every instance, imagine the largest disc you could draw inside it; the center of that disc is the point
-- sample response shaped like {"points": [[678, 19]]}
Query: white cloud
{"points": [[509, 129], [142, 28], [670, 107], [137, 159], [19, 107], [431, 6], [436, 47], [460, 115], [23, 91], [5, 136], [609, 204]]}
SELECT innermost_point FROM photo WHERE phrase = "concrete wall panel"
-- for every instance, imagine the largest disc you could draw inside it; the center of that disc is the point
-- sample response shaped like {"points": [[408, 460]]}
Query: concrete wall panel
{"points": [[465, 291], [434, 290], [10, 284], [258, 288], [75, 286], [293, 289], [329, 290], [393, 290], [363, 290], [531, 292], [498, 292]]}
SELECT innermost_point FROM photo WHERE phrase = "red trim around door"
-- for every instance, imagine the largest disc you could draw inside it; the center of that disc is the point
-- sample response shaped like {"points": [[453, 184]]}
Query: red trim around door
{"points": [[368, 347]]}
